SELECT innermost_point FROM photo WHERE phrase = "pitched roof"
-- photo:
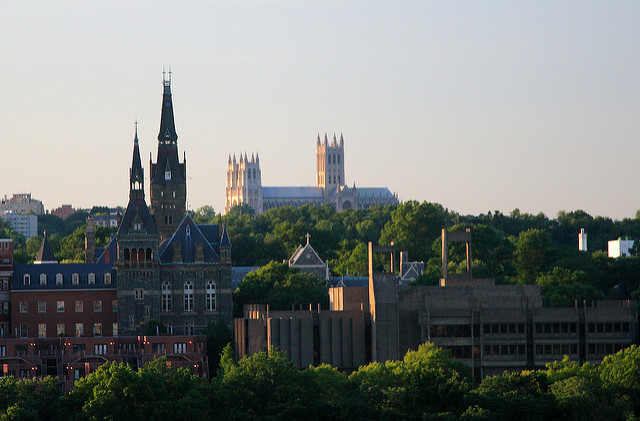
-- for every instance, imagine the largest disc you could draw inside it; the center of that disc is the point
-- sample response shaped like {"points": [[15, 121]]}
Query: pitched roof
{"points": [[137, 212], [375, 192], [305, 256], [188, 239], [292, 192], [45, 254], [66, 270], [225, 241], [109, 254]]}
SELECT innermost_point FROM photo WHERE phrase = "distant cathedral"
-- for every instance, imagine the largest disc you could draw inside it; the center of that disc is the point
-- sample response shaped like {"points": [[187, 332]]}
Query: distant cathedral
{"points": [[244, 184]]}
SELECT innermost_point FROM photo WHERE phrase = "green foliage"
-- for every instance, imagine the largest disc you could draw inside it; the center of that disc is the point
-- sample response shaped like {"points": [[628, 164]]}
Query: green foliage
{"points": [[204, 215], [533, 254], [219, 336], [155, 327], [281, 287]]}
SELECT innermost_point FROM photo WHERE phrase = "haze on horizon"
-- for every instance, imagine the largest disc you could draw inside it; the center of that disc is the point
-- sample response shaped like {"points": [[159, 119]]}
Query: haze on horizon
{"points": [[478, 106]]}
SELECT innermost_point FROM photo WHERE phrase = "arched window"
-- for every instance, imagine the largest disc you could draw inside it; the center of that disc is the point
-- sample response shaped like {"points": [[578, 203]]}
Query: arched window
{"points": [[127, 254], [188, 296], [149, 255], [166, 296], [211, 296], [140, 253]]}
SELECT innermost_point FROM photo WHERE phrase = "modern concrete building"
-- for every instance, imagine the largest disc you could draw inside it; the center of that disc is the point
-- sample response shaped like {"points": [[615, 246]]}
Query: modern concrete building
{"points": [[244, 184], [23, 204], [620, 247], [582, 240], [26, 225]]}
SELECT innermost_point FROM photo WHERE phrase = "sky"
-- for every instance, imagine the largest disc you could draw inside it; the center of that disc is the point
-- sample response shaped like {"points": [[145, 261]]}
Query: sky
{"points": [[476, 105]]}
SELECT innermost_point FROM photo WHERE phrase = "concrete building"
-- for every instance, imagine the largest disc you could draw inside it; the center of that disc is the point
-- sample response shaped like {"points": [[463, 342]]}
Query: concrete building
{"points": [[582, 240], [620, 247], [491, 328], [23, 204], [244, 184], [26, 225]]}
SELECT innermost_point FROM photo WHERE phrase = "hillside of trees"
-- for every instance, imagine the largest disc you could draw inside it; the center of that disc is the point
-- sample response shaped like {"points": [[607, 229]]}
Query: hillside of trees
{"points": [[427, 384]]}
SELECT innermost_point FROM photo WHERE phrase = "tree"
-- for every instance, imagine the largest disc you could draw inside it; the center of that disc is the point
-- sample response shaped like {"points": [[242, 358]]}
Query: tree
{"points": [[533, 254], [620, 374], [204, 215], [281, 287], [218, 337]]}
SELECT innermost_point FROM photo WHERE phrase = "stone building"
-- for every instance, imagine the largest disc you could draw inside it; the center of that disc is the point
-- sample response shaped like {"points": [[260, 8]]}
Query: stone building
{"points": [[244, 184], [307, 260], [6, 274], [169, 268]]}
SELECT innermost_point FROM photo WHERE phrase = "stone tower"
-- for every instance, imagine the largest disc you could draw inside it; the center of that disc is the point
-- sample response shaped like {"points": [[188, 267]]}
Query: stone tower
{"points": [[330, 164], [244, 183], [168, 176]]}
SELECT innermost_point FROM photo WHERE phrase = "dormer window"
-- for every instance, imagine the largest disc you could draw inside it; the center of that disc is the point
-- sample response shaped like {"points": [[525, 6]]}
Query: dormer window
{"points": [[26, 279], [43, 279], [137, 226], [59, 279]]}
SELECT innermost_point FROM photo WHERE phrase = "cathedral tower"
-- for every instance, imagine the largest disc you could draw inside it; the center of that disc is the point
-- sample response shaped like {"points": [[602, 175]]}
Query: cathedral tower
{"points": [[330, 164], [244, 183], [168, 176]]}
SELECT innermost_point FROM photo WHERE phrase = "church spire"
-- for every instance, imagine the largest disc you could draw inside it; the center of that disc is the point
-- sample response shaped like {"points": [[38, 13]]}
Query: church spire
{"points": [[136, 173], [167, 134]]}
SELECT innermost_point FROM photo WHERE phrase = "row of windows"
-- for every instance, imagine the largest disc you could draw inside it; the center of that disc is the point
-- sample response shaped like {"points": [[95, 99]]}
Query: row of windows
{"points": [[188, 300], [503, 328], [611, 327], [556, 349], [511, 349], [75, 279], [61, 330], [138, 254], [556, 327], [60, 307], [603, 349]]}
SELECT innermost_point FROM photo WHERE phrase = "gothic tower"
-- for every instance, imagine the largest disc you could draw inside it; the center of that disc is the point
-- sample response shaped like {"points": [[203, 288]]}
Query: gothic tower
{"points": [[244, 183], [330, 164], [168, 175]]}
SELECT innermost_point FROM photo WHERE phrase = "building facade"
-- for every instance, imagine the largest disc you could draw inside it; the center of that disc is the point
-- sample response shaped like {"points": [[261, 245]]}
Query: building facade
{"points": [[6, 275], [169, 268], [26, 225], [244, 184], [23, 204]]}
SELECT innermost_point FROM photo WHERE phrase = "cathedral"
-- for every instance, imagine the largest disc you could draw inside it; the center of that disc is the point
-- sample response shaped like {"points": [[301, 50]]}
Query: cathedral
{"points": [[169, 268], [244, 184]]}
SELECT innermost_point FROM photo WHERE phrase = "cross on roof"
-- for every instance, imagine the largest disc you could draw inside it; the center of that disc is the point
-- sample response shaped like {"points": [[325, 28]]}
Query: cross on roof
{"points": [[308, 236]]}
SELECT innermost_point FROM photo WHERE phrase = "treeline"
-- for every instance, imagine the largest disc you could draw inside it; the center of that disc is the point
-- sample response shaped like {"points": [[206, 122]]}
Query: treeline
{"points": [[515, 248], [427, 384]]}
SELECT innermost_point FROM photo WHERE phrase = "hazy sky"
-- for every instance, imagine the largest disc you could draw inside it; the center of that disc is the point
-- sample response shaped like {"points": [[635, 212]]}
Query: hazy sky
{"points": [[475, 105]]}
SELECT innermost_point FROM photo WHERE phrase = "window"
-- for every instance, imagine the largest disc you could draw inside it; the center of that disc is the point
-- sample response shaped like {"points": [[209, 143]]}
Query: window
{"points": [[166, 296], [91, 279], [107, 279], [138, 293], [179, 348], [43, 279], [5, 284], [97, 306], [5, 308], [3, 350], [24, 331], [211, 296], [79, 329], [60, 306], [100, 349], [60, 329], [97, 329], [132, 320], [24, 307], [42, 330], [188, 296], [59, 279], [115, 329], [75, 279], [42, 306], [79, 306], [26, 279], [147, 311], [188, 328], [114, 305], [167, 174]]}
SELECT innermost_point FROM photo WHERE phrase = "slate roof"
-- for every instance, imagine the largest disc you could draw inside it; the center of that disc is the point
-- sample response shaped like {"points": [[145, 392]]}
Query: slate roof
{"points": [[66, 270], [188, 235], [45, 254], [305, 256], [225, 241], [238, 273], [109, 254], [137, 210], [375, 192], [292, 192]]}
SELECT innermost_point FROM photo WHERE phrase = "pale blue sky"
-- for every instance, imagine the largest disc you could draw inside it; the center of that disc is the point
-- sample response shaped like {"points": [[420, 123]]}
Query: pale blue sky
{"points": [[475, 105]]}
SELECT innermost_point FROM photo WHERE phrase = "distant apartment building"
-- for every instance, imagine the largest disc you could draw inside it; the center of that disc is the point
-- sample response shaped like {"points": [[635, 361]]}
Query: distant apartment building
{"points": [[26, 225], [64, 211], [22, 203], [620, 247], [109, 220]]}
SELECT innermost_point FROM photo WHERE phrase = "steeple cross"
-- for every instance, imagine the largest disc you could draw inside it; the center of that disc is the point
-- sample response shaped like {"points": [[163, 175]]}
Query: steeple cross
{"points": [[308, 237]]}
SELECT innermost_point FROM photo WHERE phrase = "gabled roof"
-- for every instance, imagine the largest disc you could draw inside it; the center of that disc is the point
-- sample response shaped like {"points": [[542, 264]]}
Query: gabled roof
{"points": [[225, 241], [137, 212], [109, 254], [305, 256], [45, 254], [375, 192], [187, 240]]}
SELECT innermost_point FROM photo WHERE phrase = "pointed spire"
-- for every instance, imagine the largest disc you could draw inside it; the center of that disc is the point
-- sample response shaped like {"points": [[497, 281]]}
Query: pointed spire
{"points": [[257, 158], [341, 140], [229, 161], [245, 157], [325, 138], [45, 254], [167, 134], [241, 158], [253, 159], [319, 142], [234, 158], [334, 140], [136, 173]]}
